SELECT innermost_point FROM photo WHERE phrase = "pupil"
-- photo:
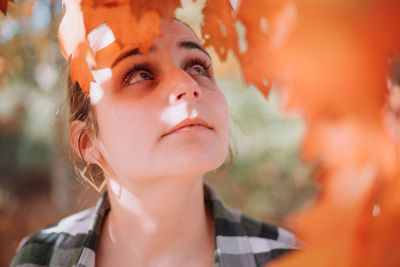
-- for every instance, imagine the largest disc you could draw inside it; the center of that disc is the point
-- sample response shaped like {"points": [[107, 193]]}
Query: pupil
{"points": [[198, 69], [144, 75]]}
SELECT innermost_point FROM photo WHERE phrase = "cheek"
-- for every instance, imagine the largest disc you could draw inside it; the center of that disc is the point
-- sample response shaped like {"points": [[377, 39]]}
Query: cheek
{"points": [[125, 134], [220, 113], [221, 107]]}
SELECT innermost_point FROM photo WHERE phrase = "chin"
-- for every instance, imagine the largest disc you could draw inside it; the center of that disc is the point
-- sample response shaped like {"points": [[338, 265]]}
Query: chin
{"points": [[196, 161]]}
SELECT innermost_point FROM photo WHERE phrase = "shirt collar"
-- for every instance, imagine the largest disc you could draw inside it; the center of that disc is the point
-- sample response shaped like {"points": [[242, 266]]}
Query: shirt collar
{"points": [[231, 243]]}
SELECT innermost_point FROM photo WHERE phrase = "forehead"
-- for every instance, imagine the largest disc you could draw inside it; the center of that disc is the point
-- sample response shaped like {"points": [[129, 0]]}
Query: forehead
{"points": [[173, 32], [94, 37], [114, 43], [176, 27]]}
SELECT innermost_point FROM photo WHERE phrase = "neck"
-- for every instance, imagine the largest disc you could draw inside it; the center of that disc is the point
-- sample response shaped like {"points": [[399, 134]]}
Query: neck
{"points": [[165, 220]]}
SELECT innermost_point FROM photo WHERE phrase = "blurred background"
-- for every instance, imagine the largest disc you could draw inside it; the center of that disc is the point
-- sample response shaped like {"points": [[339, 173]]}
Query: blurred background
{"points": [[38, 184]]}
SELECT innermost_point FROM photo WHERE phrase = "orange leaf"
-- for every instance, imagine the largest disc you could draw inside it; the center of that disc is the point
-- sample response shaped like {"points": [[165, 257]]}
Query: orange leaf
{"points": [[268, 25], [3, 5], [113, 17], [338, 73], [139, 7], [218, 29], [166, 9]]}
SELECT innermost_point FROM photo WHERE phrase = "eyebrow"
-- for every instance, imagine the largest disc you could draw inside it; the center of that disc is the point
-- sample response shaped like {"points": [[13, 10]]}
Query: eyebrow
{"points": [[136, 51], [124, 55], [193, 45]]}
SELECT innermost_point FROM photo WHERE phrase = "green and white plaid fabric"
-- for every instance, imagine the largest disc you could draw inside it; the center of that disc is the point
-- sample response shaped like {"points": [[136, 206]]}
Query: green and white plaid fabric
{"points": [[240, 241]]}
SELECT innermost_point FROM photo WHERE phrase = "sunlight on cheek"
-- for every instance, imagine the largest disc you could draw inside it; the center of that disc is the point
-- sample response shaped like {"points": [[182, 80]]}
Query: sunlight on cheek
{"points": [[102, 75], [132, 204], [99, 38], [175, 114], [96, 93], [194, 114]]}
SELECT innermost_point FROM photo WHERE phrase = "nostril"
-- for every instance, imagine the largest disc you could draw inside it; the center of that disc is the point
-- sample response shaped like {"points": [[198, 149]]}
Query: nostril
{"points": [[180, 96], [196, 94]]}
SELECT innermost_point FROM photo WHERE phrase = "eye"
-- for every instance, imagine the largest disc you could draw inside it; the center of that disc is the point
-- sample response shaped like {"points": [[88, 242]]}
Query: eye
{"points": [[138, 73], [138, 77], [196, 70], [199, 66]]}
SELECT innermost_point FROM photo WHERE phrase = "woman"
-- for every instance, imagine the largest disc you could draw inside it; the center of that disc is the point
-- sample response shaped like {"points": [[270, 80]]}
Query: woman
{"points": [[155, 124]]}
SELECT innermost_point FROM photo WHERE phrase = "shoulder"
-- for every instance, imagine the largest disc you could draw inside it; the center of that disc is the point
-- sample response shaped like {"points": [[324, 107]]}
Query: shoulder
{"points": [[264, 241], [244, 241], [261, 230], [268, 241], [59, 244]]}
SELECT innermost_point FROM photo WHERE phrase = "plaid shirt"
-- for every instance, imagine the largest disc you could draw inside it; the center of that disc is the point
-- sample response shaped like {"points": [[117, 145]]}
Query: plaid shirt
{"points": [[239, 240]]}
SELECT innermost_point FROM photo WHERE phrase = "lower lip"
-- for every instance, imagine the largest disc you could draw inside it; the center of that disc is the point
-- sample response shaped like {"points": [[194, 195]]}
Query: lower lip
{"points": [[194, 128]]}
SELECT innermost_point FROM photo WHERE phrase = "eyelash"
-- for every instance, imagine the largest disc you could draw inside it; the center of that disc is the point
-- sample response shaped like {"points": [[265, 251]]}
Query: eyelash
{"points": [[202, 62], [134, 69], [146, 67]]}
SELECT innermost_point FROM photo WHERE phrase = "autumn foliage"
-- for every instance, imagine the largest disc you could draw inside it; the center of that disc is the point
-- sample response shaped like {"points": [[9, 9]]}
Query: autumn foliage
{"points": [[331, 61], [4, 5]]}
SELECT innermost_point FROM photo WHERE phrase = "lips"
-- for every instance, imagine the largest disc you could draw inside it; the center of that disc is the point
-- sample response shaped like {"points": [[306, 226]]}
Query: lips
{"points": [[188, 123]]}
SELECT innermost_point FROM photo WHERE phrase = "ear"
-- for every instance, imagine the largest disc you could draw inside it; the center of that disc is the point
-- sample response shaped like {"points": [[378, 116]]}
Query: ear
{"points": [[86, 143]]}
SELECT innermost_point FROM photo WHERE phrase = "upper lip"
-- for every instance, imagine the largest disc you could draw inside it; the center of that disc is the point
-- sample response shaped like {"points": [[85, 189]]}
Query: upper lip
{"points": [[190, 122]]}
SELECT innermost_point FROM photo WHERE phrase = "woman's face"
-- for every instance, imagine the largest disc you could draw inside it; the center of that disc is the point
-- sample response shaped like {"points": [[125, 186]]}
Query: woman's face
{"points": [[150, 94]]}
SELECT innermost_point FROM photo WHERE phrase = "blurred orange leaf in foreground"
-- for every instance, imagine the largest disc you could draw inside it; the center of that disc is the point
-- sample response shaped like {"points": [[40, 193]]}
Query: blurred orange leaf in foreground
{"points": [[4, 5], [330, 62]]}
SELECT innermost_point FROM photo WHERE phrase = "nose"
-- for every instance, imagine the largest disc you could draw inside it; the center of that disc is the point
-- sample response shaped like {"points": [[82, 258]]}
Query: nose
{"points": [[184, 87], [195, 93]]}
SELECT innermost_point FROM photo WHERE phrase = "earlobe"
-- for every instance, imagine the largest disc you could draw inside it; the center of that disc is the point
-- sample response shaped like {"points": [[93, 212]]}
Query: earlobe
{"points": [[82, 143]]}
